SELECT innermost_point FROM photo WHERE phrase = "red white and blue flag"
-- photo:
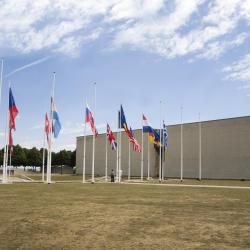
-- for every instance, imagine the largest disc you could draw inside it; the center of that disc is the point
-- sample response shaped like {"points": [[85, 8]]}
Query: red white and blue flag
{"points": [[90, 119], [111, 138], [135, 143], [47, 127], [13, 111]]}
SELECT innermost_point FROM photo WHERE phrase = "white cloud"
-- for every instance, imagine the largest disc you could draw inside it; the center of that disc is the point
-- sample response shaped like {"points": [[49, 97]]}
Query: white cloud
{"points": [[239, 70], [166, 28]]}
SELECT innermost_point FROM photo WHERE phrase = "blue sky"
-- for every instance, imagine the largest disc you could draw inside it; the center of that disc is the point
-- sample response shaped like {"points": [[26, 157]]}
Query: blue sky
{"points": [[194, 54]]}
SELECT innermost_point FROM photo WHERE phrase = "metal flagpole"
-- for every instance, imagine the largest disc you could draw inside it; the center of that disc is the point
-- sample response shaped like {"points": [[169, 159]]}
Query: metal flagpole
{"points": [[50, 134], [129, 159], [4, 180], [142, 150], [1, 82], [5, 163], [84, 151], [43, 156], [120, 151], [160, 175], [199, 147], [117, 149], [93, 151], [181, 145], [10, 161], [148, 159], [106, 164]]}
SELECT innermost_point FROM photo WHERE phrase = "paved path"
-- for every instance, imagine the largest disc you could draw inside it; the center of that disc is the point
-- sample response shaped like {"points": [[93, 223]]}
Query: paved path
{"points": [[186, 185]]}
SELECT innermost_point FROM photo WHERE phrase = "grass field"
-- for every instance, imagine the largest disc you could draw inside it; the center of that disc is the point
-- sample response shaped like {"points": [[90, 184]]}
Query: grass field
{"points": [[118, 216]]}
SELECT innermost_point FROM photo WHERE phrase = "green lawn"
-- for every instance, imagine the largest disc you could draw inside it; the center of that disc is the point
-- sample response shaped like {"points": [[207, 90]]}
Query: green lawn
{"points": [[115, 216]]}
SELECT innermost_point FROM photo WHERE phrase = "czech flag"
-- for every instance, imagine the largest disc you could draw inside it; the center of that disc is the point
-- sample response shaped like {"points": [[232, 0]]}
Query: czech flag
{"points": [[12, 110], [91, 120]]}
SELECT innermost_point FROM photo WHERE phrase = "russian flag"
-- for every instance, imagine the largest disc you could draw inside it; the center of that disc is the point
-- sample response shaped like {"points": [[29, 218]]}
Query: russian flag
{"points": [[146, 127], [12, 110]]}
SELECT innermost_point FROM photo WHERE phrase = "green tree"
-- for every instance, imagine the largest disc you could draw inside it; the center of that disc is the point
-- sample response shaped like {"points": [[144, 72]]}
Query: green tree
{"points": [[18, 156]]}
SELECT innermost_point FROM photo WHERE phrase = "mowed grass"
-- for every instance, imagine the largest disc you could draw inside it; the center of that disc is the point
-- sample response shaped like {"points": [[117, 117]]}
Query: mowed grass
{"points": [[119, 216]]}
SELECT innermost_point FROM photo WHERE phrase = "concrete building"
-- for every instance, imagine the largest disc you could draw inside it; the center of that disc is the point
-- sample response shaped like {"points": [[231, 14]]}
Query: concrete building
{"points": [[225, 152]]}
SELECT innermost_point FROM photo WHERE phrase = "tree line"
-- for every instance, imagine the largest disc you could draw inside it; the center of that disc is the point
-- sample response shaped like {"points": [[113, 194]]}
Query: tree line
{"points": [[34, 157]]}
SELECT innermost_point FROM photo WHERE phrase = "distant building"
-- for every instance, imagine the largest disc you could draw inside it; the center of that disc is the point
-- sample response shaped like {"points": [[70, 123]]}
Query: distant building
{"points": [[225, 151]]}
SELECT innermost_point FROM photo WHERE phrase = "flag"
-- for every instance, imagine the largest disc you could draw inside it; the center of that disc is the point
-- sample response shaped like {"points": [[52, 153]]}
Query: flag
{"points": [[123, 122], [10, 141], [111, 138], [91, 120], [165, 136], [153, 135], [132, 139], [56, 124], [13, 111], [47, 127], [146, 127]]}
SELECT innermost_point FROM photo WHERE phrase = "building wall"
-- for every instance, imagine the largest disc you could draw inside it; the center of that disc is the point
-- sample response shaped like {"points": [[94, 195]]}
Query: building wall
{"points": [[100, 156], [225, 151]]}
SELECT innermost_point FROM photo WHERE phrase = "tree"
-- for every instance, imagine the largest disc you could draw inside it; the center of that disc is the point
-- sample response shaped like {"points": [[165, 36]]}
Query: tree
{"points": [[18, 156], [34, 157]]}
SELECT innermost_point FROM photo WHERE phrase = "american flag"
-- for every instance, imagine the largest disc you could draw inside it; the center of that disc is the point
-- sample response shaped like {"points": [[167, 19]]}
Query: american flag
{"points": [[111, 138], [136, 145]]}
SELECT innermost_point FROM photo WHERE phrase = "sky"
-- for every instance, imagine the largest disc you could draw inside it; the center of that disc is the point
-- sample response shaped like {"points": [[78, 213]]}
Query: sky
{"points": [[193, 54]]}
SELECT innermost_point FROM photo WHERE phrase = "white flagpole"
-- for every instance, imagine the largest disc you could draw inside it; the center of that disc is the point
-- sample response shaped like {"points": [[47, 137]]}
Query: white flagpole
{"points": [[43, 156], [4, 180], [10, 161], [106, 163], [50, 134], [181, 145], [1, 82], [142, 150], [129, 159], [93, 151], [84, 148], [160, 156], [6, 150], [199, 147], [120, 152], [148, 158], [117, 149]]}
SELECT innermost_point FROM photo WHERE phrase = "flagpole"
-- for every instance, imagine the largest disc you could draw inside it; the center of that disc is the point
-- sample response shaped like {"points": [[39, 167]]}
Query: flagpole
{"points": [[181, 144], [199, 147], [5, 163], [93, 151], [120, 151], [10, 161], [106, 163], [129, 160], [1, 82], [118, 147], [160, 173], [43, 156], [50, 134], [84, 148], [142, 151], [148, 159]]}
